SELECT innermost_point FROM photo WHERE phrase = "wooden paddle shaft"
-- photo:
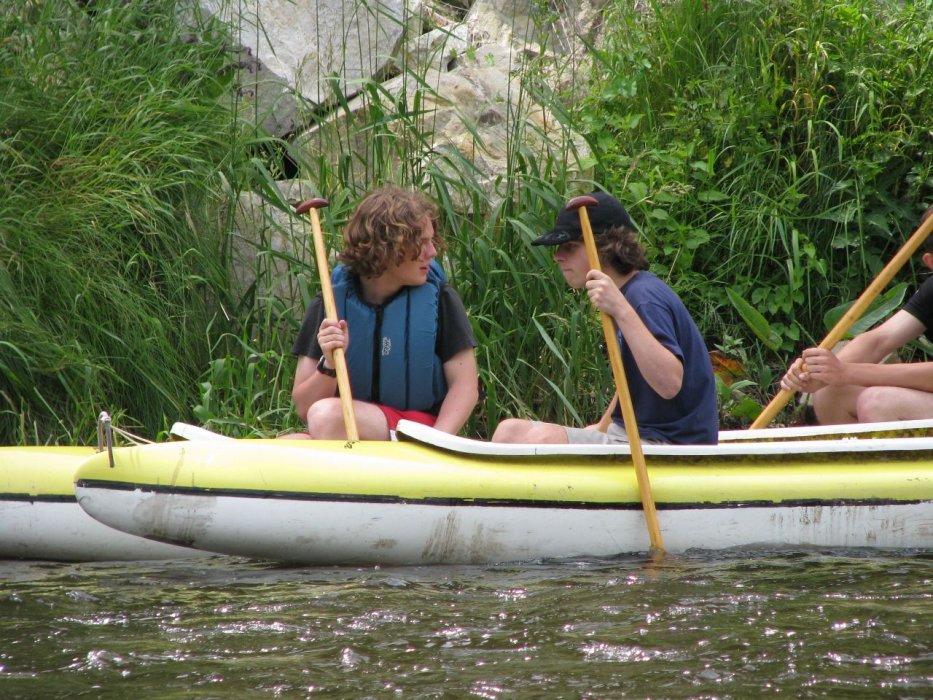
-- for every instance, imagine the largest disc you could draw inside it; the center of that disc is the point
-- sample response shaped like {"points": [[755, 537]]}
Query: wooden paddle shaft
{"points": [[618, 373], [311, 206], [854, 313]]}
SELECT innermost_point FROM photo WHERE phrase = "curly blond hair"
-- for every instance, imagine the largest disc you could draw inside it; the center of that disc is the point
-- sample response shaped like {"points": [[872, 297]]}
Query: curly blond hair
{"points": [[386, 229]]}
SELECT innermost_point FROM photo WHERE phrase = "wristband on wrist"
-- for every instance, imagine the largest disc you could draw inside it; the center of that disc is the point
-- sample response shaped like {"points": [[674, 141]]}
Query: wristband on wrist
{"points": [[327, 371]]}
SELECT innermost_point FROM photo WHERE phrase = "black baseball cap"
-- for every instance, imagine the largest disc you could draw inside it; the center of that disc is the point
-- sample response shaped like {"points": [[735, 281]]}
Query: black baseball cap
{"points": [[606, 214]]}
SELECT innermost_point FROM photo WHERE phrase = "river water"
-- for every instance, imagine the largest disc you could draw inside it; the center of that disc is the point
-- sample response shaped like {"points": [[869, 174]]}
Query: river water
{"points": [[737, 625]]}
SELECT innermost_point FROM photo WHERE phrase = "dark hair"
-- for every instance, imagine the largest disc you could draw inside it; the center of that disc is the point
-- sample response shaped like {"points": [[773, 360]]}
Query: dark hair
{"points": [[386, 229], [619, 247]]}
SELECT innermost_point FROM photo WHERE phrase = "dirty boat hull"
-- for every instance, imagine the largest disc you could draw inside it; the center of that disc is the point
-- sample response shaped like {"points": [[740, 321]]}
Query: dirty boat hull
{"points": [[440, 499], [331, 532], [40, 517]]}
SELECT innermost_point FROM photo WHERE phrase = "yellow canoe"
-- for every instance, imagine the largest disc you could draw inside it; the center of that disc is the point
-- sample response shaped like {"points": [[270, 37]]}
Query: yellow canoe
{"points": [[436, 498], [40, 517]]}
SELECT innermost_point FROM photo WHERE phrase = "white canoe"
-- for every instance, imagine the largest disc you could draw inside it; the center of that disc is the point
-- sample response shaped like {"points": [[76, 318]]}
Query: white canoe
{"points": [[435, 498], [40, 517]]}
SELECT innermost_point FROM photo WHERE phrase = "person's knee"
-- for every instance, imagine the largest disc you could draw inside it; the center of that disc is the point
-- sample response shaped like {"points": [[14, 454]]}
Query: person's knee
{"points": [[294, 436], [834, 405], [511, 430], [325, 420], [877, 404]]}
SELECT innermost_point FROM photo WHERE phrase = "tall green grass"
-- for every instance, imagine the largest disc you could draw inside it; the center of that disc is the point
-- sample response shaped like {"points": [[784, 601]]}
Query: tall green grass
{"points": [[115, 132]]}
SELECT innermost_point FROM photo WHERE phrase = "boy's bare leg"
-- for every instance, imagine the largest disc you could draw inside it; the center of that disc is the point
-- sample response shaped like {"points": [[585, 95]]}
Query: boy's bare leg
{"points": [[837, 404], [517, 430], [325, 421], [892, 403]]}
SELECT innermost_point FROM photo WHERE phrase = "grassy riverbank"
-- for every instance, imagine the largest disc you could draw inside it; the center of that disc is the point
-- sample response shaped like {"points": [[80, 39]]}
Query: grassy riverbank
{"points": [[777, 153], [115, 147]]}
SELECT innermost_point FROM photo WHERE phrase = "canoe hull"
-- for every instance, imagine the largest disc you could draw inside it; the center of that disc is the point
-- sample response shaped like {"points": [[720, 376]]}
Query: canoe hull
{"points": [[415, 503], [334, 532], [40, 517]]}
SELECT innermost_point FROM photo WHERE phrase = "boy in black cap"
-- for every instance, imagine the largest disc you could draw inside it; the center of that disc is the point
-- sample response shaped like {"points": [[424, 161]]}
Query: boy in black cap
{"points": [[667, 366]]}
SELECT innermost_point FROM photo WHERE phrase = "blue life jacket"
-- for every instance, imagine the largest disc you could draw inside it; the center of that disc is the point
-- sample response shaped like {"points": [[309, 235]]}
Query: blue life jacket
{"points": [[391, 357]]}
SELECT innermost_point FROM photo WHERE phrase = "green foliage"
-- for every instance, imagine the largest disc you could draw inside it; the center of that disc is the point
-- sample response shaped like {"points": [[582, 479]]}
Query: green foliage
{"points": [[779, 152], [737, 407], [112, 141], [741, 385], [247, 395], [759, 325]]}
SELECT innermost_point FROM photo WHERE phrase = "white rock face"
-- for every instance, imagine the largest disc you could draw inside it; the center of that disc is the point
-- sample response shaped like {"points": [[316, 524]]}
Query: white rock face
{"points": [[469, 120], [302, 42]]}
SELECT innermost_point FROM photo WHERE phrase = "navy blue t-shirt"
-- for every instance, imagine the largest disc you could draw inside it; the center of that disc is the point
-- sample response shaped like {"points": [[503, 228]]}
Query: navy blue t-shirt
{"points": [[691, 417]]}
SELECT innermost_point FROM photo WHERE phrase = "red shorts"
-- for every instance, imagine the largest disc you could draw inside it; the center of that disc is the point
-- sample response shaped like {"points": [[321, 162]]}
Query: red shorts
{"points": [[393, 416]]}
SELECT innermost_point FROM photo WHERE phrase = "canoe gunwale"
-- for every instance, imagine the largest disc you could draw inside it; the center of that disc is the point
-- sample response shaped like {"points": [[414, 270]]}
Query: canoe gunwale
{"points": [[454, 444]]}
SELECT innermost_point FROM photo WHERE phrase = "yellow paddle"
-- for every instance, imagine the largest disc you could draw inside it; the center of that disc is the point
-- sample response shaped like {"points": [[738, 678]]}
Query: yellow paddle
{"points": [[853, 314], [330, 307], [618, 373]]}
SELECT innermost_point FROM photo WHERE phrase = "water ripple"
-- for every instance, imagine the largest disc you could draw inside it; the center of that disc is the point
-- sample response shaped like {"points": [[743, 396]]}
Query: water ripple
{"points": [[701, 626]]}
